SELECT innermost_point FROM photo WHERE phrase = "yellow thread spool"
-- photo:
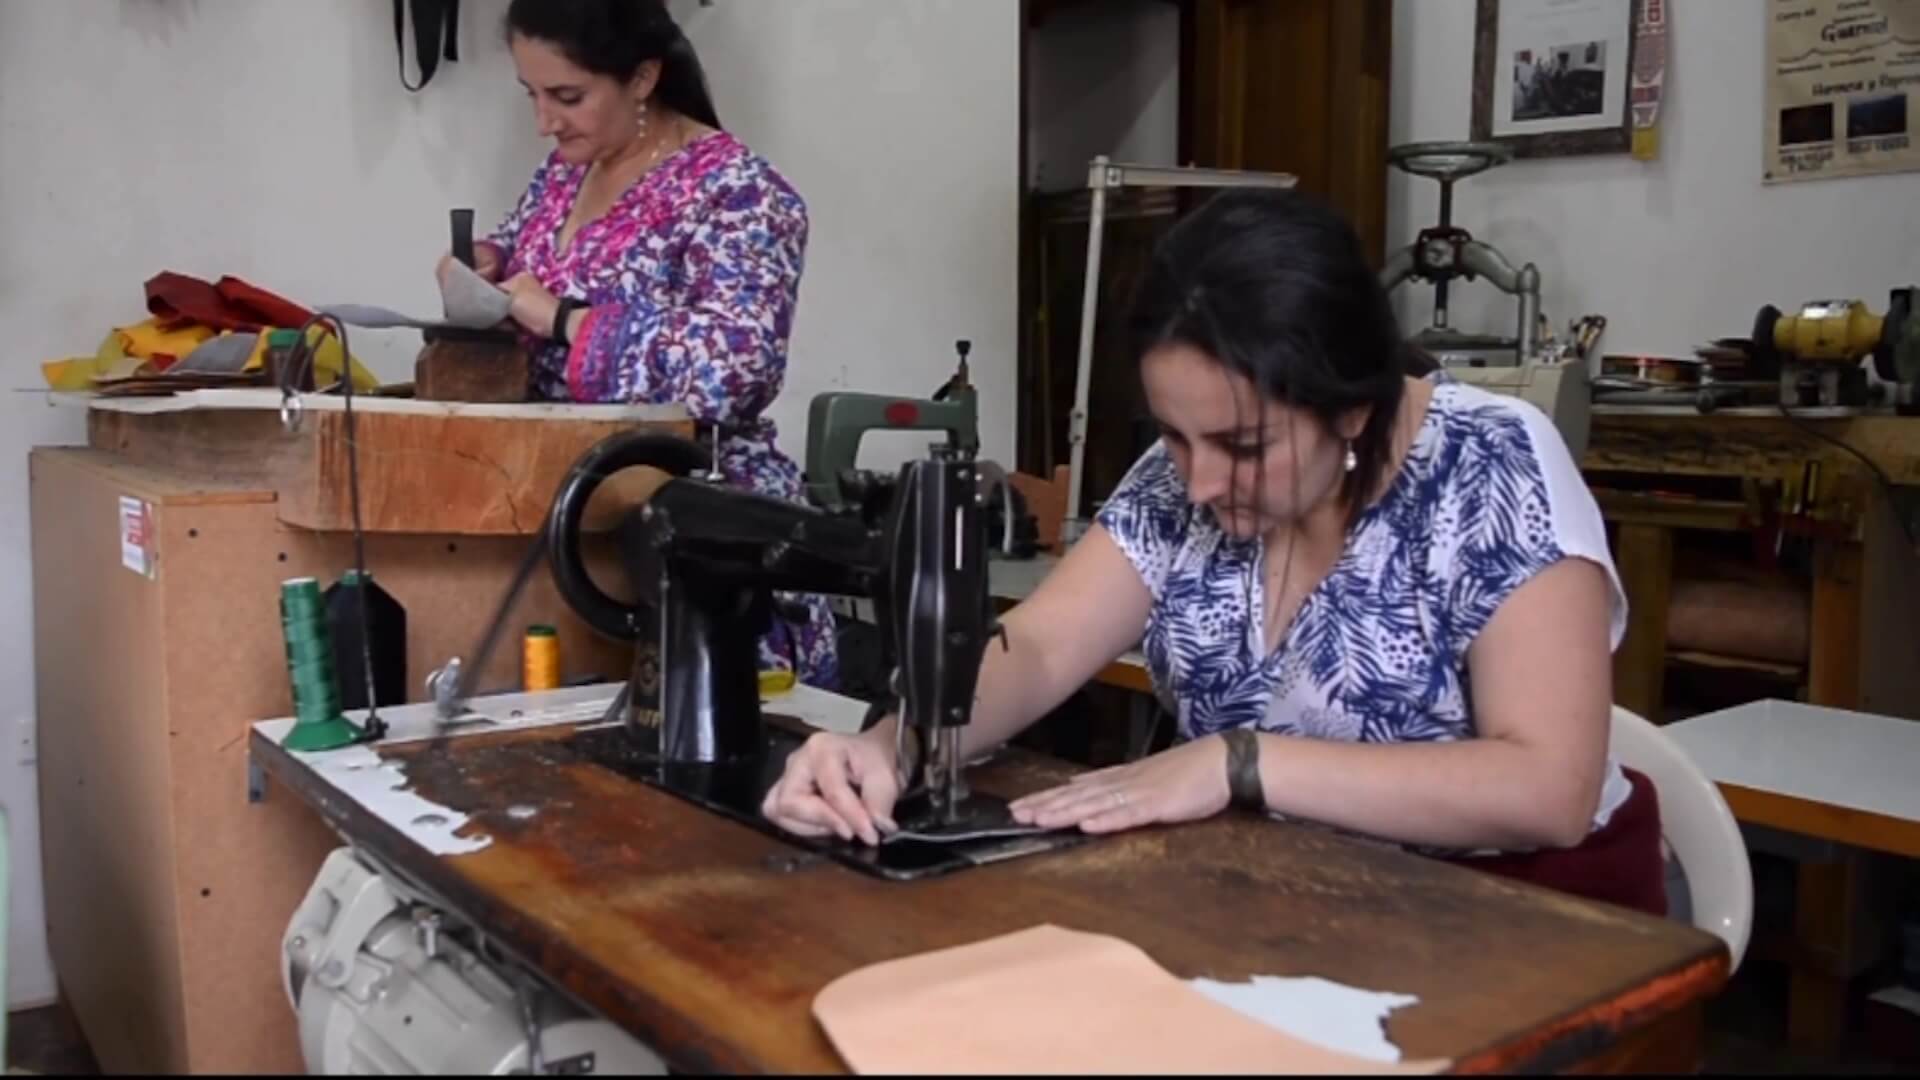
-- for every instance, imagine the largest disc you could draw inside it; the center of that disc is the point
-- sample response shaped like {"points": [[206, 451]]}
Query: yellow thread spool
{"points": [[540, 659]]}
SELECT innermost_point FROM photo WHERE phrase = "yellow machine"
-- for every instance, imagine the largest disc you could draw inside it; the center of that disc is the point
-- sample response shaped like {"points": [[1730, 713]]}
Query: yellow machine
{"points": [[1819, 349]]}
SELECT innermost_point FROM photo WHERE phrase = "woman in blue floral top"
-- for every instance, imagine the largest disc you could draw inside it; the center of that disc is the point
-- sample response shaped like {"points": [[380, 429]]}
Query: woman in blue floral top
{"points": [[1372, 597]]}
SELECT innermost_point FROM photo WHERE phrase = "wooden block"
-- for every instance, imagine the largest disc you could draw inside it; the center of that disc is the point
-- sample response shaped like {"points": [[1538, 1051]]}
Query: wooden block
{"points": [[1047, 501], [486, 367]]}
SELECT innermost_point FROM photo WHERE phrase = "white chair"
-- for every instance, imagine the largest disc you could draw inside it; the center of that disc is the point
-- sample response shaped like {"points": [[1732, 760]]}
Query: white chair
{"points": [[1699, 830]]}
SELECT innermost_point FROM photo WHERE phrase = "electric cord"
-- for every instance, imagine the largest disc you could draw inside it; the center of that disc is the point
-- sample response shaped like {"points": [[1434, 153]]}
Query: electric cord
{"points": [[292, 374]]}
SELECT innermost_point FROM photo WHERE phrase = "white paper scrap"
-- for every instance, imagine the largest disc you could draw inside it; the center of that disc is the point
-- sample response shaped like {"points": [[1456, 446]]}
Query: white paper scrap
{"points": [[1326, 1013], [381, 787]]}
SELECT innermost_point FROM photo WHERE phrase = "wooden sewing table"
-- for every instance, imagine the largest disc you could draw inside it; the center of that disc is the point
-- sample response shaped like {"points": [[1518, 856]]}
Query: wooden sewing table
{"points": [[708, 940]]}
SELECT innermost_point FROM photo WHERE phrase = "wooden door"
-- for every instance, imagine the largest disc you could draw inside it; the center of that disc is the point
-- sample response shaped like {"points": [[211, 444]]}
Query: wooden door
{"points": [[1296, 86]]}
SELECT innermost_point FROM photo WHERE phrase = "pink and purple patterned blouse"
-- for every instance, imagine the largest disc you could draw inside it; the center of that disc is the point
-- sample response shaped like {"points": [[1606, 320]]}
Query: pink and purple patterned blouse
{"points": [[692, 278]]}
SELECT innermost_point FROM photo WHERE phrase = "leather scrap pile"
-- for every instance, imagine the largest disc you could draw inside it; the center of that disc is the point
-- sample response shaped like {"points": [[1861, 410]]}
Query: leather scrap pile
{"points": [[200, 335]]}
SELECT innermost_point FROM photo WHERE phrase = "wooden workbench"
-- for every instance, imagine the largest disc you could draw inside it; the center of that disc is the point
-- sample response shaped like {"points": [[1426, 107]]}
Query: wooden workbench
{"points": [[1863, 622], [166, 891], [703, 938]]}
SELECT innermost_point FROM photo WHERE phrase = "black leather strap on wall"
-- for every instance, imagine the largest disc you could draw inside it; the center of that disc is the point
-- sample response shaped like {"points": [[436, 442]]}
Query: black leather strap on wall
{"points": [[436, 34]]}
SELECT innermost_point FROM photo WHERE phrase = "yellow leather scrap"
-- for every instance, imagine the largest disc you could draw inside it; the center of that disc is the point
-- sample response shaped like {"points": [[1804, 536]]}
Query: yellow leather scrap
{"points": [[127, 351], [326, 361]]}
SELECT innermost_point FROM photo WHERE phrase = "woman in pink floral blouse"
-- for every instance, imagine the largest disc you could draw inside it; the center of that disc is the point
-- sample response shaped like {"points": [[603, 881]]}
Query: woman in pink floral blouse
{"points": [[654, 258]]}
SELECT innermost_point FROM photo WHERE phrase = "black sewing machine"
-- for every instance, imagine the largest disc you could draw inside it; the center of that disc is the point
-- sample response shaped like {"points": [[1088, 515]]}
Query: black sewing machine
{"points": [[705, 560]]}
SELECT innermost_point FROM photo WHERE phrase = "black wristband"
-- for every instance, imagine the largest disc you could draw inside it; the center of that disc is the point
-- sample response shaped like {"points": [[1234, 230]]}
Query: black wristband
{"points": [[1244, 789], [561, 313]]}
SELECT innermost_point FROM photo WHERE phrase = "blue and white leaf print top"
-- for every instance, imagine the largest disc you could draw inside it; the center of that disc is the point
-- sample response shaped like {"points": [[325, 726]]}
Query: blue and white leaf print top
{"points": [[1487, 497]]}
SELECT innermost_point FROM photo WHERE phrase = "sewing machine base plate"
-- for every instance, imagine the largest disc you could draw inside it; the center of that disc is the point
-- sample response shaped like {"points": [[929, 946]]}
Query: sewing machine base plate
{"points": [[736, 791]]}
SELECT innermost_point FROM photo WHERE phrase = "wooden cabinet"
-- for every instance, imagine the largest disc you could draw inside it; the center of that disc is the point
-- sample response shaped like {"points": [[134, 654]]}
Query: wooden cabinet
{"points": [[167, 889]]}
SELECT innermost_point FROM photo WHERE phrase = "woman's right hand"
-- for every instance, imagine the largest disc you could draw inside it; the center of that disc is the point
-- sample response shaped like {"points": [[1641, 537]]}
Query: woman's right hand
{"points": [[840, 784], [486, 263]]}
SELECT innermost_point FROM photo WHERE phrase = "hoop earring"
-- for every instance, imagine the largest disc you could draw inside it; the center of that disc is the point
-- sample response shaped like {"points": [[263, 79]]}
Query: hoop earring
{"points": [[1353, 460]]}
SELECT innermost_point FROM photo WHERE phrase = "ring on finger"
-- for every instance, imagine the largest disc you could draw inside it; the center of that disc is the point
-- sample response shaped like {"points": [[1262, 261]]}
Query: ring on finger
{"points": [[1119, 799]]}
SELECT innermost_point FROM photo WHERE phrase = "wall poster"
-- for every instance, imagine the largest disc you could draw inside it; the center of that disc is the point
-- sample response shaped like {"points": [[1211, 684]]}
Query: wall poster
{"points": [[1843, 88]]}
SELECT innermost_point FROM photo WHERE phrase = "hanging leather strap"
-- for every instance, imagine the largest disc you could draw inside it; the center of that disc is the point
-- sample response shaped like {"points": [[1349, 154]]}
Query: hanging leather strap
{"points": [[436, 33]]}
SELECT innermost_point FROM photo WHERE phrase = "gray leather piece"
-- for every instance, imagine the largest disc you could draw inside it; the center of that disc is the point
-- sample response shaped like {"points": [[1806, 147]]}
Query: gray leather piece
{"points": [[467, 301]]}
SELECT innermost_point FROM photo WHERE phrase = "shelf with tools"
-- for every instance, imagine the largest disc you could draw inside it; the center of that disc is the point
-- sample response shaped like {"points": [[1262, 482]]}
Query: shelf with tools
{"points": [[1761, 552]]}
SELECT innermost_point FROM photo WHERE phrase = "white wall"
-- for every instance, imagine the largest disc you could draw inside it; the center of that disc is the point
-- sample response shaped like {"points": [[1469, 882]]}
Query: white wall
{"points": [[1103, 79], [898, 122], [1674, 252], [270, 139]]}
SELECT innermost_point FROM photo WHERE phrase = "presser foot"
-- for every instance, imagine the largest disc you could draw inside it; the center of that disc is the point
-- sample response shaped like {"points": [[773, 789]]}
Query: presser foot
{"points": [[977, 817]]}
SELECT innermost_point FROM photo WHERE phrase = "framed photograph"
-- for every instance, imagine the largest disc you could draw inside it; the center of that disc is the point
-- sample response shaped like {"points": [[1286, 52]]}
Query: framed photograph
{"points": [[1551, 77]]}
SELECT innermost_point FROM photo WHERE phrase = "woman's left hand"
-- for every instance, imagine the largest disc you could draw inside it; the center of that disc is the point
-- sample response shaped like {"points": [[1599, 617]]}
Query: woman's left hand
{"points": [[1186, 783], [532, 305]]}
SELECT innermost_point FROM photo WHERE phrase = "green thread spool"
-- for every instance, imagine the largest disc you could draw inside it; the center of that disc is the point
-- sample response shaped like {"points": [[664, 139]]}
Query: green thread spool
{"points": [[318, 722]]}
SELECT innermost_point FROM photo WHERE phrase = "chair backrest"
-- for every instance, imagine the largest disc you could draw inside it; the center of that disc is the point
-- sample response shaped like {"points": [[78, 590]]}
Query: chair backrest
{"points": [[1699, 829]]}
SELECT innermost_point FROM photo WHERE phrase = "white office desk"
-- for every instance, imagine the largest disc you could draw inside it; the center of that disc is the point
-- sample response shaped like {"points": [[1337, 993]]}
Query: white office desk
{"points": [[1849, 777], [1845, 778]]}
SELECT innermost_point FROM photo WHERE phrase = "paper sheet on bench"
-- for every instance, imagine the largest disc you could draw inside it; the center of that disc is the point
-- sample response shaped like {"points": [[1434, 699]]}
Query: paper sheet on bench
{"points": [[1052, 1000]]}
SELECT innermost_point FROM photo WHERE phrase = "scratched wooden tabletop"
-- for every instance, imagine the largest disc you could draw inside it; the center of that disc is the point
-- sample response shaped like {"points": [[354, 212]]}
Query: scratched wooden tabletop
{"points": [[690, 931]]}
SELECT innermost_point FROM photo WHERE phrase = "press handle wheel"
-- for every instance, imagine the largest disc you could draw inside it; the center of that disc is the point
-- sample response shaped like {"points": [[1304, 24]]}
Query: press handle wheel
{"points": [[677, 456], [1447, 161]]}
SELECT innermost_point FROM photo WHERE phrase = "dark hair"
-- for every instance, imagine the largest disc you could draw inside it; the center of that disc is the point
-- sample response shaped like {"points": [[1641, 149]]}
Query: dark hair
{"points": [[613, 38], [1273, 285]]}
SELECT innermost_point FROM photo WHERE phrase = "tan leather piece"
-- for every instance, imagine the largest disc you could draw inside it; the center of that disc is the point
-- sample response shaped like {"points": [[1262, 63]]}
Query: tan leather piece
{"points": [[1052, 1000]]}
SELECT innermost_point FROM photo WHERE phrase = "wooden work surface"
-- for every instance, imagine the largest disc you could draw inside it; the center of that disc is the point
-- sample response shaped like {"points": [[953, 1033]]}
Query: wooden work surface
{"points": [[425, 467], [683, 928], [1749, 442]]}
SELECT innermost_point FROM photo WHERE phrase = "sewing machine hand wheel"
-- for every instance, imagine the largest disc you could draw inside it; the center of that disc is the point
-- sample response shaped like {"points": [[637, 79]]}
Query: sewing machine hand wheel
{"points": [[1448, 161], [627, 450]]}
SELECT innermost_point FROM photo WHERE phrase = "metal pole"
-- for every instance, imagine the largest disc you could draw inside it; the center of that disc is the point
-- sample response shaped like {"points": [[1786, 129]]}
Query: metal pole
{"points": [[1075, 524], [1103, 175]]}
